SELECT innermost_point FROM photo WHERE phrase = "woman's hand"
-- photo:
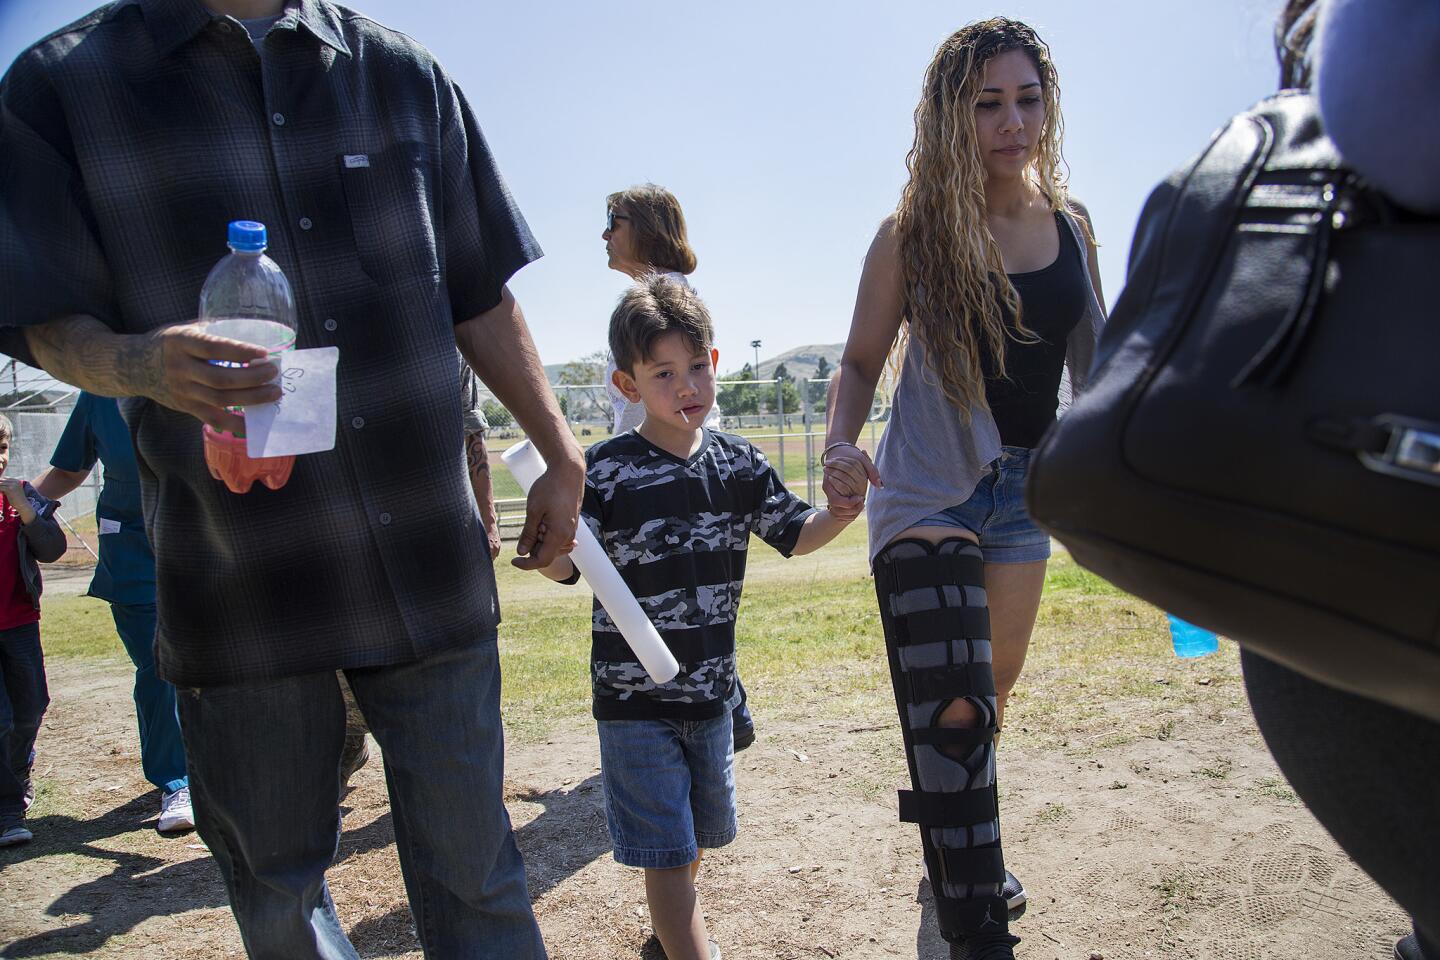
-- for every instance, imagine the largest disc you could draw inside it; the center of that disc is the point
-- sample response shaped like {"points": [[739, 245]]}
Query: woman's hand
{"points": [[849, 471]]}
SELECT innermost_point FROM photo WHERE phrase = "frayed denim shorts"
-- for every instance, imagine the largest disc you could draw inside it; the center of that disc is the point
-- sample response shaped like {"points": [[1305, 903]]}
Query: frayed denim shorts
{"points": [[996, 513], [669, 788]]}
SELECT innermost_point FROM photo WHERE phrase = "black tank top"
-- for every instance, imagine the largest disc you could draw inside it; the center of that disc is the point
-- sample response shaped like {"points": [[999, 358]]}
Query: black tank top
{"points": [[1052, 301]]}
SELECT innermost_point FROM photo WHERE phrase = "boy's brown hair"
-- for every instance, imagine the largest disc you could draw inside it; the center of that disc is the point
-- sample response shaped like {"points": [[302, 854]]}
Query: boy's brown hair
{"points": [[7, 429], [654, 306]]}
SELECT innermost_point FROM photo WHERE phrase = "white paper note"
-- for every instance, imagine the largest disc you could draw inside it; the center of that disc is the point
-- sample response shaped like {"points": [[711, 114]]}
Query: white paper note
{"points": [[109, 526], [303, 419]]}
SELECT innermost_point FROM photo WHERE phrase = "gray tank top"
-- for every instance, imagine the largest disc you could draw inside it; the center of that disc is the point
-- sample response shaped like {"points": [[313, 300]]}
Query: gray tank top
{"points": [[928, 458]]}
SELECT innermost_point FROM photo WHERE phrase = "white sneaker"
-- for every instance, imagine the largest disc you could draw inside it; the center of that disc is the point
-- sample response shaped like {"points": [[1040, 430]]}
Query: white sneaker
{"points": [[176, 814]]}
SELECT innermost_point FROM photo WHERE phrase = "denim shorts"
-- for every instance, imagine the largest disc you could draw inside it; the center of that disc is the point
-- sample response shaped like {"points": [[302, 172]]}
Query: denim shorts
{"points": [[996, 513], [669, 788]]}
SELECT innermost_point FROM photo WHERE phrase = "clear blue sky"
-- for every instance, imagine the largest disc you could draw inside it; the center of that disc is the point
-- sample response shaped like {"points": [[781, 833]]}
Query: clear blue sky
{"points": [[782, 126]]}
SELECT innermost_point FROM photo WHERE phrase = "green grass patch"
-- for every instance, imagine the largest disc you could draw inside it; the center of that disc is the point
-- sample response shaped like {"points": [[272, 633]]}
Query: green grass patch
{"points": [[1177, 889], [1052, 813], [1218, 770], [78, 627], [811, 645], [1275, 788]]}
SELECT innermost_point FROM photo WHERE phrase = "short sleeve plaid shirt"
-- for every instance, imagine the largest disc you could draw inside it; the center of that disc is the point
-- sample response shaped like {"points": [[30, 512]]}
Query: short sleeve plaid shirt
{"points": [[128, 141]]}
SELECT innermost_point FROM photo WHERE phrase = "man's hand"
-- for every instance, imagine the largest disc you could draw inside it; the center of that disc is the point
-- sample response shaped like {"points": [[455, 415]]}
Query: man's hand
{"points": [[170, 366], [552, 512], [187, 381]]}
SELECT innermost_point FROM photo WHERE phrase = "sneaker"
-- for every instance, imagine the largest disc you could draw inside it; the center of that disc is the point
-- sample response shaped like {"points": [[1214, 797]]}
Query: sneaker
{"points": [[715, 947], [176, 813], [15, 835], [992, 947], [1408, 948], [1014, 893], [1012, 890], [355, 755]]}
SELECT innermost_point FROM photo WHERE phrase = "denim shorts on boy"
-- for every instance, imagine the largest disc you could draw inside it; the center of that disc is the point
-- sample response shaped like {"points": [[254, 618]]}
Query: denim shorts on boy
{"points": [[669, 788], [996, 513]]}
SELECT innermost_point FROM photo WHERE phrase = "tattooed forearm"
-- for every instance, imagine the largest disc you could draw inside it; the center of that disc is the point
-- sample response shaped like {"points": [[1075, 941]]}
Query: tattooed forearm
{"points": [[82, 351], [477, 461]]}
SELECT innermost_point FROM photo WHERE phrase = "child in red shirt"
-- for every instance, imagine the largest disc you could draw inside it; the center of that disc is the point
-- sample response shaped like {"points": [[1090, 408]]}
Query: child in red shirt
{"points": [[28, 535]]}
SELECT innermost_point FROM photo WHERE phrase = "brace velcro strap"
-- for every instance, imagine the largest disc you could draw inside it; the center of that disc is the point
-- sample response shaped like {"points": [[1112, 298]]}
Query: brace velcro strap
{"points": [[961, 808], [914, 573], [943, 625], [972, 864], [949, 683], [962, 920], [952, 736]]}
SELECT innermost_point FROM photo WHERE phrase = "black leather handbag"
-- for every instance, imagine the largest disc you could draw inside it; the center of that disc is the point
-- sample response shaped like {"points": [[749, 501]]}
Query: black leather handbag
{"points": [[1258, 450]]}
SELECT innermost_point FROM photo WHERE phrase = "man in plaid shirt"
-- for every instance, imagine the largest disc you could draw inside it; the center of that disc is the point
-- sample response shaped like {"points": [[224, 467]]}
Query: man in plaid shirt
{"points": [[127, 141]]}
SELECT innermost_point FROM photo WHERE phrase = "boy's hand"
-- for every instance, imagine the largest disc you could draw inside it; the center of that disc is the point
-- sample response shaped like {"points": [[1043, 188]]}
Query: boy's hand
{"points": [[14, 491], [848, 473]]}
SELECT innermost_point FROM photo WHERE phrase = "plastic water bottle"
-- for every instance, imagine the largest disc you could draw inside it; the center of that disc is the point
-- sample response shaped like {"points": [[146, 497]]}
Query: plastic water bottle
{"points": [[1190, 640], [246, 297]]}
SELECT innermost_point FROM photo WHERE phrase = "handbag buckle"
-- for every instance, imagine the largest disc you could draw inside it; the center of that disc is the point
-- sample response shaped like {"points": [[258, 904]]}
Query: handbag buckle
{"points": [[1413, 451]]}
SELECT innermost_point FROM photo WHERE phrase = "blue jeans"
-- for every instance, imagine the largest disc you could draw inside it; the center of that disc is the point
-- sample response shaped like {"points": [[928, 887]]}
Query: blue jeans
{"points": [[265, 774], [669, 788], [162, 752], [23, 699], [996, 513]]}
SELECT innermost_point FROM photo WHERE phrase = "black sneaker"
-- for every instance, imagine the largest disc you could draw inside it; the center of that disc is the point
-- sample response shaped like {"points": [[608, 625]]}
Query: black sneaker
{"points": [[1014, 893], [1408, 948], [15, 834], [994, 947]]}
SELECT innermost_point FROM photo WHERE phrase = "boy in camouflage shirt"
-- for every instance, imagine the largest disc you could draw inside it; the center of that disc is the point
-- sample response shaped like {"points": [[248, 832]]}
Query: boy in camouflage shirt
{"points": [[674, 504]]}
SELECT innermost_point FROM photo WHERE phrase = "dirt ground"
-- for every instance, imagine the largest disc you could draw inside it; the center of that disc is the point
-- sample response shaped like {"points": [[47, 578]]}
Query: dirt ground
{"points": [[1182, 843]]}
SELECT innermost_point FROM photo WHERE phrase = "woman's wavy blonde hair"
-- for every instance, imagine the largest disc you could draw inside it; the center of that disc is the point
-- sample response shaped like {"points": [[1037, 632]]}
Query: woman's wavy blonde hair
{"points": [[956, 293]]}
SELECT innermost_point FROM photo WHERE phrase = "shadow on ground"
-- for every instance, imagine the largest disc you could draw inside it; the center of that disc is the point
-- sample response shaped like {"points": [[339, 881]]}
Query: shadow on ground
{"points": [[568, 836], [138, 886]]}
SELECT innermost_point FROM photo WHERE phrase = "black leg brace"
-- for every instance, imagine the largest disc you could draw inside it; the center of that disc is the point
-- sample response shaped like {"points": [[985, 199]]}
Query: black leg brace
{"points": [[937, 634]]}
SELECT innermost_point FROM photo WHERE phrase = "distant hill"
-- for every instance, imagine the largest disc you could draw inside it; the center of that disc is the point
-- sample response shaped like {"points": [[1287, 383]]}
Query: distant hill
{"points": [[799, 362]]}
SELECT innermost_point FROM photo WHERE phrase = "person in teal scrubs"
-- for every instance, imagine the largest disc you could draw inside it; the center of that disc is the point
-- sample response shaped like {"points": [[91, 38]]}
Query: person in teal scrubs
{"points": [[125, 578]]}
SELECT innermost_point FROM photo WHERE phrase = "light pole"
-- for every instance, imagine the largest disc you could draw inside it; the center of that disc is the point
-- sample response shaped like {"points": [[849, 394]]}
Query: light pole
{"points": [[756, 345]]}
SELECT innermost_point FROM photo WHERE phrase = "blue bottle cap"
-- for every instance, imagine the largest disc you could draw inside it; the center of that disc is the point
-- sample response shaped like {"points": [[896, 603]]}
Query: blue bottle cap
{"points": [[247, 235]]}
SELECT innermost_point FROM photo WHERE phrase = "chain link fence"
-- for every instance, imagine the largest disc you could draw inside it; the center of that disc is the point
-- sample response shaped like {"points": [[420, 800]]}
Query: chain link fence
{"points": [[38, 408], [785, 418]]}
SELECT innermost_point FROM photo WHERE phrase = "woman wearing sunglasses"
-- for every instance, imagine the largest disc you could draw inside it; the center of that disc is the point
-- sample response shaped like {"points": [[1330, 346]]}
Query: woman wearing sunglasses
{"points": [[645, 234]]}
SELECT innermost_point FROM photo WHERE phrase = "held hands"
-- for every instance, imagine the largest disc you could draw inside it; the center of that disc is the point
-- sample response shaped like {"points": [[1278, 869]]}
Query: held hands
{"points": [[848, 473], [174, 369], [552, 512]]}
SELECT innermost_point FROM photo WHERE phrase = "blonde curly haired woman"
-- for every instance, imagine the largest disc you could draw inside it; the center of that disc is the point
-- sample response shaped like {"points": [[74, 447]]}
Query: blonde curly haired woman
{"points": [[985, 283]]}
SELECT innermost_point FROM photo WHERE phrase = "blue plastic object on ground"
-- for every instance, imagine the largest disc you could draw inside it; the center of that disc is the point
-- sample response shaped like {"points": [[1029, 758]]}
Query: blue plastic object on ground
{"points": [[1190, 640]]}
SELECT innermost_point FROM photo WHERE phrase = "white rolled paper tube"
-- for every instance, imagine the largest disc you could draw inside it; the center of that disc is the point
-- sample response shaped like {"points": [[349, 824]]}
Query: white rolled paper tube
{"points": [[526, 465]]}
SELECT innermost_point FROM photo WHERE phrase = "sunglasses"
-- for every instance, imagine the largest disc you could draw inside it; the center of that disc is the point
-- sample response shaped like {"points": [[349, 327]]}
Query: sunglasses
{"points": [[610, 217]]}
